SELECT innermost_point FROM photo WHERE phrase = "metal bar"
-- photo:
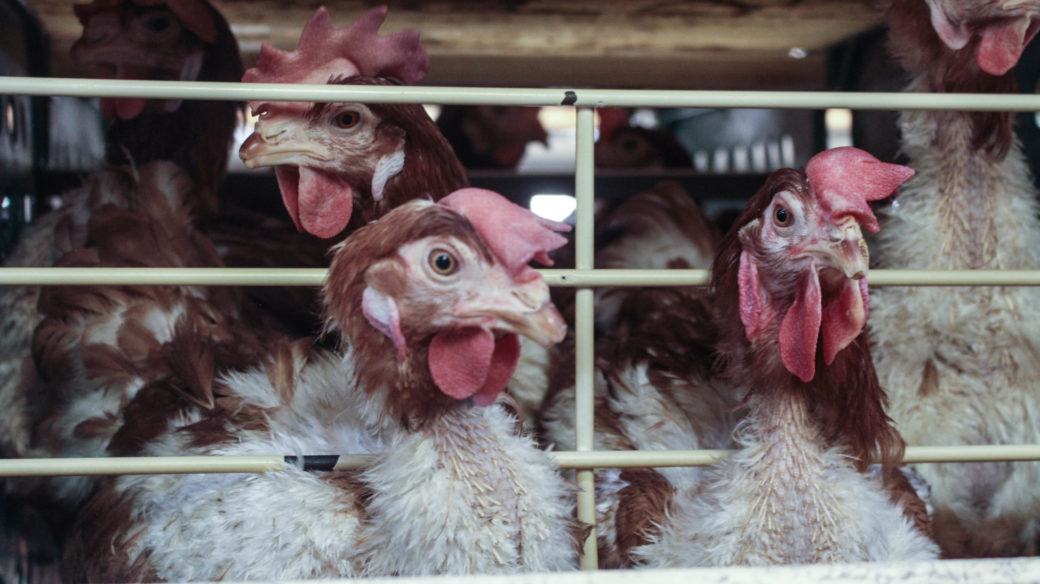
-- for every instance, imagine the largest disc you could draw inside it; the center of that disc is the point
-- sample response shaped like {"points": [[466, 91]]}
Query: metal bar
{"points": [[516, 96], [584, 252], [875, 278], [580, 278], [162, 276], [25, 467], [49, 467], [665, 458]]}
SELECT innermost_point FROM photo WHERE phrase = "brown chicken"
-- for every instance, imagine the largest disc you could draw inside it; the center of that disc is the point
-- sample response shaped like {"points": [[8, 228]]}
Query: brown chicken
{"points": [[491, 136], [126, 39], [622, 145], [772, 360], [428, 302], [960, 364]]}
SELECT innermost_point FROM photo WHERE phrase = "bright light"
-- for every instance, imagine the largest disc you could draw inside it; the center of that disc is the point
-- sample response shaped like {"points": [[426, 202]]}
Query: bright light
{"points": [[838, 122], [557, 117], [555, 207], [797, 53]]}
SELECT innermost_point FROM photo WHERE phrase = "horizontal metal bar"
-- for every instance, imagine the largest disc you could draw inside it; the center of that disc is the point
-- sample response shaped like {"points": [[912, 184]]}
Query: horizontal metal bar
{"points": [[573, 278], [162, 276], [13, 467], [875, 278], [663, 458], [46, 467], [984, 571], [516, 96]]}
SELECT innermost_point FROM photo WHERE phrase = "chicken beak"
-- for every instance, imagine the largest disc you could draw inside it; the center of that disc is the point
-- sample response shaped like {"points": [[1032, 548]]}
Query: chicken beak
{"points": [[273, 143], [843, 249], [526, 310]]}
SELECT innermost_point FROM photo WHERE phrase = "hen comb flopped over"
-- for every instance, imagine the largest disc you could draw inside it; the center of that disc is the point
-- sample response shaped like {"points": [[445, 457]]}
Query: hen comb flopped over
{"points": [[844, 180], [515, 235], [1003, 30], [324, 52], [193, 14]]}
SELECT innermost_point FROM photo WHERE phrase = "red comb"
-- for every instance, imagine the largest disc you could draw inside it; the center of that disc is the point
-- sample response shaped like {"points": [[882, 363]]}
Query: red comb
{"points": [[195, 15], [515, 235], [845, 179], [324, 52]]}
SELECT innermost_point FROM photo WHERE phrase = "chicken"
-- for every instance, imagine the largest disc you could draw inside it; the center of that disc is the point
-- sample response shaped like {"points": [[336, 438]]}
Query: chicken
{"points": [[660, 228], [491, 136], [180, 39], [331, 157], [97, 347], [772, 361], [427, 302], [960, 363], [622, 145], [186, 40]]}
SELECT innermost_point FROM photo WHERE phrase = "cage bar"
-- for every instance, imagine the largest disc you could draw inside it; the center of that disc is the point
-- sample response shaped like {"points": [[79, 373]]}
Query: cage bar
{"points": [[585, 277], [584, 349], [211, 90]]}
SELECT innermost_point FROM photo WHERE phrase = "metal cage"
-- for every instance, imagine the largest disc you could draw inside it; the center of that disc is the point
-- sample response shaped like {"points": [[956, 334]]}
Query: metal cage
{"points": [[584, 277]]}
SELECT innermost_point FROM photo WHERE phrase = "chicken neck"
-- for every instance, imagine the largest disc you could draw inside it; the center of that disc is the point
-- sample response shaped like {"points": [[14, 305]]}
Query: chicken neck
{"points": [[790, 501], [971, 204], [196, 137]]}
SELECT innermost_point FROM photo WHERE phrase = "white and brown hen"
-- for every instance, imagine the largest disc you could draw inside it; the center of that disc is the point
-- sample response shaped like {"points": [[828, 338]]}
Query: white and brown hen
{"points": [[771, 361], [960, 364], [125, 39], [428, 302]]}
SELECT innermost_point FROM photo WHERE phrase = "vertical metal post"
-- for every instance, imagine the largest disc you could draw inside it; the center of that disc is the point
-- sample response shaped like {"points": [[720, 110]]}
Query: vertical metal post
{"points": [[583, 321]]}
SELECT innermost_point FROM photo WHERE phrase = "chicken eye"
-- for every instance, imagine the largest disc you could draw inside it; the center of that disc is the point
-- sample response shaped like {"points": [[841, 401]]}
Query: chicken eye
{"points": [[159, 26], [443, 262], [158, 23], [782, 217], [347, 120], [631, 144]]}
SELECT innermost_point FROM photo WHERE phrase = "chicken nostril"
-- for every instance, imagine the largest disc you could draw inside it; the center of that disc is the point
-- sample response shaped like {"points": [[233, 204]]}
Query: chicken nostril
{"points": [[271, 135], [527, 299]]}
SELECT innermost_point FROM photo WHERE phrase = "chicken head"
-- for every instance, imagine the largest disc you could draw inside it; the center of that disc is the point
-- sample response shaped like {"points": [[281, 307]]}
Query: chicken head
{"points": [[143, 39], [320, 155], [803, 258], [437, 285], [330, 155], [999, 29]]}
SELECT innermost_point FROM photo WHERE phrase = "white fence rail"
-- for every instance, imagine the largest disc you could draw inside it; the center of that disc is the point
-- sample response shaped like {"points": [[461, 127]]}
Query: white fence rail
{"points": [[584, 278]]}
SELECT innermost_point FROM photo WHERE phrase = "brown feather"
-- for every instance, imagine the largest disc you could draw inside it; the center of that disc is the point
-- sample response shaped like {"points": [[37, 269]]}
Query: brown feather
{"points": [[105, 362], [642, 508], [109, 516], [281, 370], [147, 416], [191, 360], [135, 340], [903, 494], [97, 427]]}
